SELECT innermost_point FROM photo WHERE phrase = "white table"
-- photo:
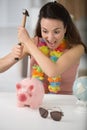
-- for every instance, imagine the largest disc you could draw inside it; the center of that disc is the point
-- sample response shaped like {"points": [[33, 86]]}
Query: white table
{"points": [[16, 118]]}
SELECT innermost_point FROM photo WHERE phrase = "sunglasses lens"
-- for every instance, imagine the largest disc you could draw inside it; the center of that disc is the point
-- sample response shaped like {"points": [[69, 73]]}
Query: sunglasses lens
{"points": [[55, 115], [43, 112]]}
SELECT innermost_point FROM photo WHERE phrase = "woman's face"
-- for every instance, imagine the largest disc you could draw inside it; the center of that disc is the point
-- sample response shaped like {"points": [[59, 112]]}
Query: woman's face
{"points": [[52, 32]]}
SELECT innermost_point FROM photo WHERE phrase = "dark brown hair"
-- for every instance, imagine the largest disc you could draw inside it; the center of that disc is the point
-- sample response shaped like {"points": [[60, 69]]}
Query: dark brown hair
{"points": [[54, 10]]}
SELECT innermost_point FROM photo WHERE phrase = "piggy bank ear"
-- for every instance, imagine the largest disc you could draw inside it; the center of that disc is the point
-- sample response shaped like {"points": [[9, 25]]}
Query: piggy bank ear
{"points": [[18, 86], [30, 89]]}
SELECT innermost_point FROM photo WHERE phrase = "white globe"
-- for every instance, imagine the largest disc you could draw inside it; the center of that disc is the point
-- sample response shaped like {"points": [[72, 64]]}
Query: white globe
{"points": [[80, 88]]}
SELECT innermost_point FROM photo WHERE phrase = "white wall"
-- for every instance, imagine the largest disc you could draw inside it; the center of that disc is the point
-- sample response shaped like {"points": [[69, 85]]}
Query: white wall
{"points": [[11, 10], [82, 27]]}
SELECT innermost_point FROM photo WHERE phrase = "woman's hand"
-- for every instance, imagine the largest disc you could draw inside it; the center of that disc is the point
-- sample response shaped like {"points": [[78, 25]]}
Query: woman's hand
{"points": [[23, 35], [17, 51]]}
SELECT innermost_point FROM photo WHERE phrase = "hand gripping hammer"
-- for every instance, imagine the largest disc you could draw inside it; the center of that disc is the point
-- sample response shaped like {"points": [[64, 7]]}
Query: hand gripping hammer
{"points": [[25, 14]]}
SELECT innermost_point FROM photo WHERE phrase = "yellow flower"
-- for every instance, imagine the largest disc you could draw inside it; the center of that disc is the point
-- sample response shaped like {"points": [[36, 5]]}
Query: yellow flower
{"points": [[56, 53], [44, 49]]}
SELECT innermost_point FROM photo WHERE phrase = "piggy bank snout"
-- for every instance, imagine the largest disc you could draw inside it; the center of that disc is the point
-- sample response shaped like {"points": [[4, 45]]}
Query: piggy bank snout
{"points": [[22, 97]]}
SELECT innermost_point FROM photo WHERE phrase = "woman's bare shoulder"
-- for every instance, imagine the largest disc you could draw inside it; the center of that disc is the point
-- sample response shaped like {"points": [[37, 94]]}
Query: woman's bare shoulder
{"points": [[80, 48], [75, 52]]}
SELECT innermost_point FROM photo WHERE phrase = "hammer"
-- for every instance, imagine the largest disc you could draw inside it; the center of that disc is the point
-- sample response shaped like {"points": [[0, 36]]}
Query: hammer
{"points": [[25, 14]]}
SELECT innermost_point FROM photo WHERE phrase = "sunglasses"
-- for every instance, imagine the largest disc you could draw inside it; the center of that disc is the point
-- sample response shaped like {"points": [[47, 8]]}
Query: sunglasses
{"points": [[55, 115]]}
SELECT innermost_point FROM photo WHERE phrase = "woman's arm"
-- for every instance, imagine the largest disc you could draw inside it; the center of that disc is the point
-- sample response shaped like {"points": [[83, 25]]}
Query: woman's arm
{"points": [[9, 60], [50, 68], [6, 62]]}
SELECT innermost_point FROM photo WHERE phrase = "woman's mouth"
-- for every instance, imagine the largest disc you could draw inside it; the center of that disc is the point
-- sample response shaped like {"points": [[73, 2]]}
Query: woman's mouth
{"points": [[51, 44]]}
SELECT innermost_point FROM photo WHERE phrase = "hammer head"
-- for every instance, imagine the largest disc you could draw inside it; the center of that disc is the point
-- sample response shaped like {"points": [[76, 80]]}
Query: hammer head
{"points": [[25, 12]]}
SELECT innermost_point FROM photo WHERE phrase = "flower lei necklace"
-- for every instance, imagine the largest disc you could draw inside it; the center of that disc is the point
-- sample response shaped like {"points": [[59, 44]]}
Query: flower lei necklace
{"points": [[54, 82]]}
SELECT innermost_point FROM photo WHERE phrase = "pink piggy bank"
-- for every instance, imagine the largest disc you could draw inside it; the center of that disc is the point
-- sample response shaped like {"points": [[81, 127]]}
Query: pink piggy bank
{"points": [[30, 92]]}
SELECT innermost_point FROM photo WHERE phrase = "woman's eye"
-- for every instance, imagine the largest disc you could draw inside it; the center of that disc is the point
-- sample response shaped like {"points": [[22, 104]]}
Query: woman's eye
{"points": [[44, 31], [57, 32]]}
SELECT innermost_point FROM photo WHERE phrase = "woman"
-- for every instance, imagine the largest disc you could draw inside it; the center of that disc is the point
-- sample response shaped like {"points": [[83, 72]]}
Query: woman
{"points": [[55, 50]]}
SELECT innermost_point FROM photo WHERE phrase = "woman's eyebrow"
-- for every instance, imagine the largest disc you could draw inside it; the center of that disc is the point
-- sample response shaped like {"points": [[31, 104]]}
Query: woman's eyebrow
{"points": [[57, 28], [43, 28], [53, 29]]}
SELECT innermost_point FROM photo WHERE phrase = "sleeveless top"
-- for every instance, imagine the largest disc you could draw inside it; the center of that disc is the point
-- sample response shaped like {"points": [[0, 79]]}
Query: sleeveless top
{"points": [[67, 78]]}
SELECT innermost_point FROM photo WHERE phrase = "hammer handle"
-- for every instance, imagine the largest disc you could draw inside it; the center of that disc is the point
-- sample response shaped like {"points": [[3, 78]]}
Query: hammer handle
{"points": [[17, 57], [23, 25], [23, 21]]}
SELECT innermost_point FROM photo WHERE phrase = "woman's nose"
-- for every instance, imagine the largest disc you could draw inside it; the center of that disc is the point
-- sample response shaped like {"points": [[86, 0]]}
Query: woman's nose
{"points": [[50, 37]]}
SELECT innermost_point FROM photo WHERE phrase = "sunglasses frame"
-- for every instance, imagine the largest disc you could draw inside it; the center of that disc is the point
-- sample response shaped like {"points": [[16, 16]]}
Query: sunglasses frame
{"points": [[54, 114]]}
